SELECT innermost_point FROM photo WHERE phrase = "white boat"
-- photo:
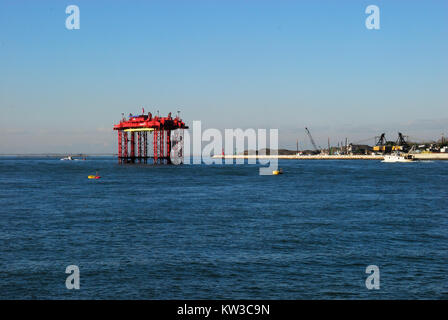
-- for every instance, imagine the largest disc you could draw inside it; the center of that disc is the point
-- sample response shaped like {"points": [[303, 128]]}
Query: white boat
{"points": [[398, 158], [67, 158]]}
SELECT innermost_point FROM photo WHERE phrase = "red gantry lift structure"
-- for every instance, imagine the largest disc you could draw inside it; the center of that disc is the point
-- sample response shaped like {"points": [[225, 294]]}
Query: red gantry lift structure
{"points": [[136, 132]]}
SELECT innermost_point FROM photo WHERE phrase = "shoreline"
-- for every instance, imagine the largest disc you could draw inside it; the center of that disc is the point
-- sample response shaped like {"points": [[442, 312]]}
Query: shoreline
{"points": [[422, 156]]}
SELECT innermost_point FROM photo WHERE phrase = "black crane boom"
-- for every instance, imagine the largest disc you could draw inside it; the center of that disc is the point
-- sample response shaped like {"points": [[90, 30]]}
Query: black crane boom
{"points": [[311, 139]]}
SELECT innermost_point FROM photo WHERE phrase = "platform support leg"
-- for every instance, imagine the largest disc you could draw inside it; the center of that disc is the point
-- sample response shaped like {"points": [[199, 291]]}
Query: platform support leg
{"points": [[155, 147], [168, 146], [120, 142], [139, 147], [145, 146], [132, 146], [126, 141]]}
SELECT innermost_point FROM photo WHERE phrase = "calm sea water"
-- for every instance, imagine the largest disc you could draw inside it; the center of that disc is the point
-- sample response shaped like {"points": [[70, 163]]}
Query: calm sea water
{"points": [[198, 232]]}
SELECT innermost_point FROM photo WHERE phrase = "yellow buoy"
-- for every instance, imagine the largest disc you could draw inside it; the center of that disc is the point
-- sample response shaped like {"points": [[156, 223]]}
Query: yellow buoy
{"points": [[277, 172]]}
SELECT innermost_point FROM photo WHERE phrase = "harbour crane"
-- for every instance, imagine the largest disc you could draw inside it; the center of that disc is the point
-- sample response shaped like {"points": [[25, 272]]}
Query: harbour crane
{"points": [[381, 140], [401, 141], [311, 139], [382, 144], [401, 144]]}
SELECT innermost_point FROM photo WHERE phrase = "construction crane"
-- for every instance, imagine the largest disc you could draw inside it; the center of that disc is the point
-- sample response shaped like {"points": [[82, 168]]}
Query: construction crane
{"points": [[311, 139]]}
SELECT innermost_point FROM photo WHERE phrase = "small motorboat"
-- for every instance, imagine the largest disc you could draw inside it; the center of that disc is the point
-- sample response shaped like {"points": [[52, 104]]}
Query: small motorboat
{"points": [[69, 158], [397, 157], [277, 172], [95, 176]]}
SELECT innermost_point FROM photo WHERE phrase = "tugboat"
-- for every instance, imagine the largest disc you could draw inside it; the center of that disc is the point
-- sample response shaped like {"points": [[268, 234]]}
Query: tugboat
{"points": [[397, 157]]}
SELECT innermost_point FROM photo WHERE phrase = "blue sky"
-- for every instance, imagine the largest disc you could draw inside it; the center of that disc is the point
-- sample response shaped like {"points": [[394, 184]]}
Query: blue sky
{"points": [[229, 63]]}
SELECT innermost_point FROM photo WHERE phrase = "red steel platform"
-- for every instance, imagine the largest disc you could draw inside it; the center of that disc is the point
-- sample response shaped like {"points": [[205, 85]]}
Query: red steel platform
{"points": [[135, 132]]}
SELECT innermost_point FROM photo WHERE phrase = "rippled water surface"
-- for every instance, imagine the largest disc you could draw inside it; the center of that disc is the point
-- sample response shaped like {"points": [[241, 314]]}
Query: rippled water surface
{"points": [[223, 231]]}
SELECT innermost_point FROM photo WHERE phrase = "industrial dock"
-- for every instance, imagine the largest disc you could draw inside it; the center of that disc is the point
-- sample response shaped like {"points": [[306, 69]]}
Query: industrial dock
{"points": [[422, 156], [433, 150]]}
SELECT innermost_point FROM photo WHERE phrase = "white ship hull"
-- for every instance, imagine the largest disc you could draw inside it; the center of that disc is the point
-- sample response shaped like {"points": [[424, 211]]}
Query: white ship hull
{"points": [[398, 158]]}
